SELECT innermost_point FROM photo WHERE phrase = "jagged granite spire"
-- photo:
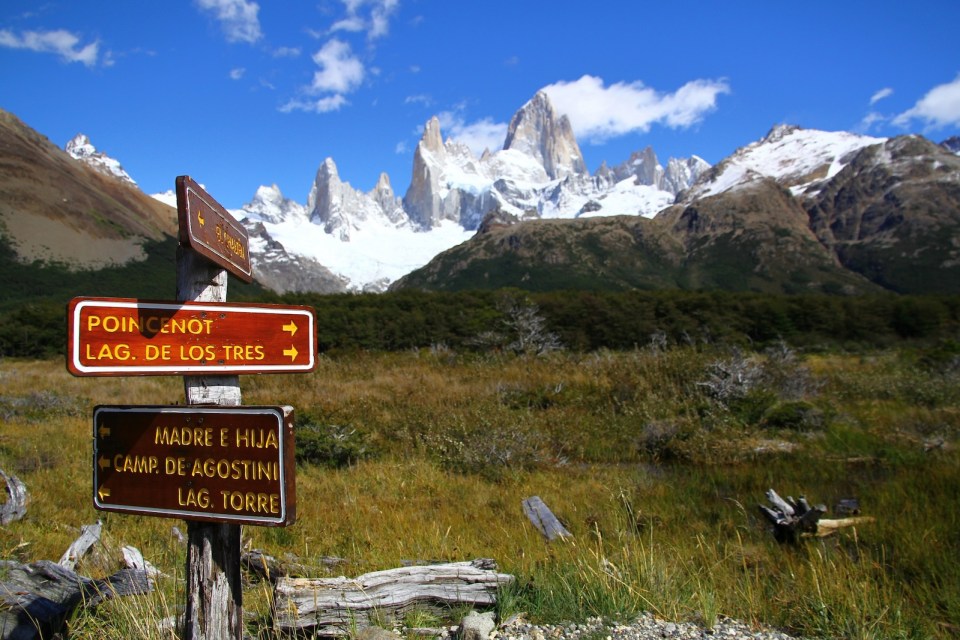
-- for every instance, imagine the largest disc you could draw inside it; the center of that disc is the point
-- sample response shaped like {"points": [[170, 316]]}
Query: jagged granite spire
{"points": [[538, 131]]}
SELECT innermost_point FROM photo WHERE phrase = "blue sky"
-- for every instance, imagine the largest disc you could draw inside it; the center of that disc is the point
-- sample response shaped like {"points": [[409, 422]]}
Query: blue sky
{"points": [[238, 93]]}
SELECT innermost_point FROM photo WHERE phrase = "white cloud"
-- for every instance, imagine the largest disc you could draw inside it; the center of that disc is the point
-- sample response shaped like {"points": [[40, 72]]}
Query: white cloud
{"points": [[237, 17], [340, 71], [60, 42], [376, 22], [380, 17], [886, 92], [871, 120], [401, 148], [353, 24], [599, 112], [286, 52], [419, 98], [478, 136], [236, 74], [322, 105], [940, 107]]}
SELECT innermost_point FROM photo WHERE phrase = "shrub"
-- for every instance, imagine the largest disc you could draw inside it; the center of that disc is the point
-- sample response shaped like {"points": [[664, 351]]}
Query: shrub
{"points": [[488, 452], [328, 445], [796, 415]]}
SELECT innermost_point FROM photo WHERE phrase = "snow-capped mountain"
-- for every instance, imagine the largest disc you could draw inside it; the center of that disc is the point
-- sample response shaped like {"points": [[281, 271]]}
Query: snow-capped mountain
{"points": [[372, 238], [801, 159], [81, 149]]}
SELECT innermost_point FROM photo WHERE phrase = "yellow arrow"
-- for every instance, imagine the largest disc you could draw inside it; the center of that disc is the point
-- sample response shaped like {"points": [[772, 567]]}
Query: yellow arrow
{"points": [[292, 328], [200, 218], [104, 462], [104, 432], [103, 493], [292, 352]]}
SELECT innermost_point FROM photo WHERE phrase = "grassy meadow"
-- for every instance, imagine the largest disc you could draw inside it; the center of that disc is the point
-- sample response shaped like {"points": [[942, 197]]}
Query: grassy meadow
{"points": [[654, 458]]}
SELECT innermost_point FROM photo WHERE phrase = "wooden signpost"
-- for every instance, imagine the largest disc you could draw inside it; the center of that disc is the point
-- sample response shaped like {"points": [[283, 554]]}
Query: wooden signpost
{"points": [[126, 337], [218, 465], [210, 230]]}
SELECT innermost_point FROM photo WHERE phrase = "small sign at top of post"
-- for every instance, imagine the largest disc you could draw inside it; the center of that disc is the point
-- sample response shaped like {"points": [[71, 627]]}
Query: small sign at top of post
{"points": [[210, 230]]}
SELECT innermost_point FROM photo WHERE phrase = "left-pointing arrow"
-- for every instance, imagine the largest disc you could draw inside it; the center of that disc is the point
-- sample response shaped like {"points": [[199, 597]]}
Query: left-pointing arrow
{"points": [[104, 432], [103, 493], [104, 462]]}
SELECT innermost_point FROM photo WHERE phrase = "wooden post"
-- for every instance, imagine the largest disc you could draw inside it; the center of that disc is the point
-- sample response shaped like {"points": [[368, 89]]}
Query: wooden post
{"points": [[214, 607]]}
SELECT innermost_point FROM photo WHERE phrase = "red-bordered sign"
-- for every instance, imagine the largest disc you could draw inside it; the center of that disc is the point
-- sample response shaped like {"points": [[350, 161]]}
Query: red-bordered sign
{"points": [[218, 464], [210, 230], [125, 337]]}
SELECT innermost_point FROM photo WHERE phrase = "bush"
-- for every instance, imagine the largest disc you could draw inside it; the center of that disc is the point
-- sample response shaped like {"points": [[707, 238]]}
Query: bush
{"points": [[328, 445], [796, 415], [489, 452]]}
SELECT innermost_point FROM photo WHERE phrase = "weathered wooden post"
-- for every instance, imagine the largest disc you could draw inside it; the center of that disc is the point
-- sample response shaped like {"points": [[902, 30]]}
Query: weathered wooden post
{"points": [[214, 463], [214, 607]]}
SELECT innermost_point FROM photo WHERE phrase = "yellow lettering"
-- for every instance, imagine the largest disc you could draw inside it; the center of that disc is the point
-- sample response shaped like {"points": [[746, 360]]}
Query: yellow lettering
{"points": [[175, 466], [197, 436], [136, 464], [251, 502], [199, 498]]}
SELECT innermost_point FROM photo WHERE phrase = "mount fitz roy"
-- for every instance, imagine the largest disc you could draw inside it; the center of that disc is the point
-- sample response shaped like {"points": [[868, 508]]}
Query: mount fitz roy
{"points": [[346, 239], [369, 239]]}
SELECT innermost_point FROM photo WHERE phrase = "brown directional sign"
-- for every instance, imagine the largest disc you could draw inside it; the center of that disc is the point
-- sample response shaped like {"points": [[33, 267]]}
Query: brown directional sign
{"points": [[210, 230], [218, 464], [127, 337]]}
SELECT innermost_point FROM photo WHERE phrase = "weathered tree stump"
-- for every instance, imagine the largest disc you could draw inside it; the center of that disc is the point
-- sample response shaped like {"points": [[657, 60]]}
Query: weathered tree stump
{"points": [[339, 606], [15, 506]]}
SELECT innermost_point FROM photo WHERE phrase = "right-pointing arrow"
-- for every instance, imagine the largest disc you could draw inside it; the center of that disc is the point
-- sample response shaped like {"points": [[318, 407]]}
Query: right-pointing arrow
{"points": [[291, 327], [292, 352]]}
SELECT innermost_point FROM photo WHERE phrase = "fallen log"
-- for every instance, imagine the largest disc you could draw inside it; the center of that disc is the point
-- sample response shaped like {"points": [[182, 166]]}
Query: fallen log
{"points": [[36, 599], [15, 506], [795, 519], [340, 606], [544, 520]]}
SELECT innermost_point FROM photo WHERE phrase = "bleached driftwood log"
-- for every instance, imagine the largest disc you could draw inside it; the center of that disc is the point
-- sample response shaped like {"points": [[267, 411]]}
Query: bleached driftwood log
{"points": [[36, 599], [133, 558], [795, 519], [544, 520], [338, 606], [15, 506], [89, 536]]}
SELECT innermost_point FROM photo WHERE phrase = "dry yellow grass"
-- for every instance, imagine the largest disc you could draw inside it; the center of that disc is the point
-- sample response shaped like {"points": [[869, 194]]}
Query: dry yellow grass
{"points": [[683, 540]]}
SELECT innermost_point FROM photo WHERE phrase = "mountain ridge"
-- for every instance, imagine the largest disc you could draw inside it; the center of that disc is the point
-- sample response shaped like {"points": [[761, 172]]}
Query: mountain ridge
{"points": [[778, 211]]}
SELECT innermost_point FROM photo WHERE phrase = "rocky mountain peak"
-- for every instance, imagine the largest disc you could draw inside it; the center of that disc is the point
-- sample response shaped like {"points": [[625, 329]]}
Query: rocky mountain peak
{"points": [[81, 149], [778, 132], [269, 205], [431, 139], [539, 132], [952, 144], [643, 166]]}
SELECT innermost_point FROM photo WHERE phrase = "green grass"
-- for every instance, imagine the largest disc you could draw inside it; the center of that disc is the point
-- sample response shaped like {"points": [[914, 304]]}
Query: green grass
{"points": [[649, 457]]}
